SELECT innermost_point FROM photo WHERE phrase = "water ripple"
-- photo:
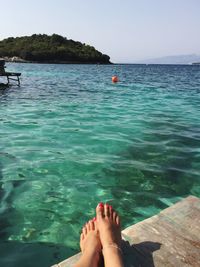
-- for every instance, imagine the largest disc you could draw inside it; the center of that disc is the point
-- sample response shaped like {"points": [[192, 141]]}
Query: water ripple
{"points": [[70, 138]]}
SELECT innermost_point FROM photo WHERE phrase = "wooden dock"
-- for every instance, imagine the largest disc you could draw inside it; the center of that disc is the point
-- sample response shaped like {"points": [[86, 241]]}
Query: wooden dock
{"points": [[11, 76], [169, 239]]}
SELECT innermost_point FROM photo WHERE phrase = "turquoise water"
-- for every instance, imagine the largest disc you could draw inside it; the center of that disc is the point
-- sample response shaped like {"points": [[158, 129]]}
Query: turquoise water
{"points": [[70, 138]]}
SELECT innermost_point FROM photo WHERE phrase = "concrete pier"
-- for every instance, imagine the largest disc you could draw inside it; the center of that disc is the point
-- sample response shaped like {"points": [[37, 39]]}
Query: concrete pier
{"points": [[170, 238]]}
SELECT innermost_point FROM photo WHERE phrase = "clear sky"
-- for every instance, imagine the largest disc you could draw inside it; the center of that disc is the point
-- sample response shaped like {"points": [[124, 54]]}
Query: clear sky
{"points": [[126, 30]]}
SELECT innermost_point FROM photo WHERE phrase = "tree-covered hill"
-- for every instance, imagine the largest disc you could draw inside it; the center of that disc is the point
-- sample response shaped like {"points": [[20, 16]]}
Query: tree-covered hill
{"points": [[50, 49]]}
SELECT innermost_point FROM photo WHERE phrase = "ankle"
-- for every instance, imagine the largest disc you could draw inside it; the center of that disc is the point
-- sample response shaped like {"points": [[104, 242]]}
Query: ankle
{"points": [[91, 253], [112, 248], [89, 258]]}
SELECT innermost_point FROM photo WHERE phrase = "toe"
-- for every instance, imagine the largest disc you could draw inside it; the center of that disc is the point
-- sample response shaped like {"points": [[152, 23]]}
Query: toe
{"points": [[92, 227], [82, 237], [95, 225], [106, 210], [114, 216], [111, 212], [88, 226], [100, 211], [84, 230], [117, 220]]}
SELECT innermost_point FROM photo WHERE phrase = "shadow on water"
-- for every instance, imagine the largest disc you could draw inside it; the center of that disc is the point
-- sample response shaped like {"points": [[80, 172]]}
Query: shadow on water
{"points": [[7, 212], [18, 253], [4, 223], [3, 88], [14, 253], [45, 255]]}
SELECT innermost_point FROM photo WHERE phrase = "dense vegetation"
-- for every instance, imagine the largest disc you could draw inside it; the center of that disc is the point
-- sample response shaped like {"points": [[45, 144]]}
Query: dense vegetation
{"points": [[54, 48]]}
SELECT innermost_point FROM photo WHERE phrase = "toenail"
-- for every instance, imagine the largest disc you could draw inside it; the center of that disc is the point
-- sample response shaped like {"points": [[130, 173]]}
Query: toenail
{"points": [[100, 205]]}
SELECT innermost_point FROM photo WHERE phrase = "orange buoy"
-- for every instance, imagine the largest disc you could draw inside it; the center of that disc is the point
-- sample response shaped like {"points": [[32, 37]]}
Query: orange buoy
{"points": [[115, 79]]}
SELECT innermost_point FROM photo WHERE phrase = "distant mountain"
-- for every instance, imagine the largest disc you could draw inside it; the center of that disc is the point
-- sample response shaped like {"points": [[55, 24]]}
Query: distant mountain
{"points": [[50, 49], [179, 59]]}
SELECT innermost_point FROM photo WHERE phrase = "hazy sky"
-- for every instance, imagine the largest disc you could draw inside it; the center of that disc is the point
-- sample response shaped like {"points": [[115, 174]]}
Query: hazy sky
{"points": [[126, 30]]}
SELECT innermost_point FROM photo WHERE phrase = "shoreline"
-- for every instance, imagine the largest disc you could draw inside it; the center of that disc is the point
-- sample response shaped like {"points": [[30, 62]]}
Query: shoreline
{"points": [[21, 60]]}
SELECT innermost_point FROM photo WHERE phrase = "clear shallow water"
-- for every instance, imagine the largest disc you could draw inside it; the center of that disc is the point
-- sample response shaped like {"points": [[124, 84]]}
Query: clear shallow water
{"points": [[70, 138]]}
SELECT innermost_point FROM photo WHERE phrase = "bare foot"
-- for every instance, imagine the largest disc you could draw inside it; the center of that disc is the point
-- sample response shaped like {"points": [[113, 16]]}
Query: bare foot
{"points": [[110, 235], [108, 225], [90, 246], [89, 239]]}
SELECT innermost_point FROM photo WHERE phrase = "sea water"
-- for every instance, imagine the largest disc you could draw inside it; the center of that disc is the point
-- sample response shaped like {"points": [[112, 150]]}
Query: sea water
{"points": [[70, 138]]}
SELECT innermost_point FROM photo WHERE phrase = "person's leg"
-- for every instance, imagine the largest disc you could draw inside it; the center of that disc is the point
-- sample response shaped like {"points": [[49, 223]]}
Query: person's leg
{"points": [[110, 235], [90, 246]]}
